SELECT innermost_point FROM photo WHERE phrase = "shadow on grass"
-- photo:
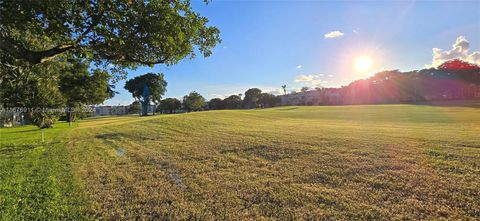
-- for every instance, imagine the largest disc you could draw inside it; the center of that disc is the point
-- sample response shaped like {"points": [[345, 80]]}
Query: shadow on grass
{"points": [[475, 103], [108, 136], [24, 131]]}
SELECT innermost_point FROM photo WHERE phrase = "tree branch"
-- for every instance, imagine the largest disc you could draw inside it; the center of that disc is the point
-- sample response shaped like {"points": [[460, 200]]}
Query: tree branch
{"points": [[18, 51]]}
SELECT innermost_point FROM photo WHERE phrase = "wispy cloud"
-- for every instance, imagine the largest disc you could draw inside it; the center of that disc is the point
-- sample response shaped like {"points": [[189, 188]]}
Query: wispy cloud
{"points": [[225, 90], [299, 66], [312, 80], [334, 34], [459, 51]]}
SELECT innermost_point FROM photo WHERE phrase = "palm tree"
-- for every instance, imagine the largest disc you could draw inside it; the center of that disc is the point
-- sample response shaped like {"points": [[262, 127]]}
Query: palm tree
{"points": [[284, 87]]}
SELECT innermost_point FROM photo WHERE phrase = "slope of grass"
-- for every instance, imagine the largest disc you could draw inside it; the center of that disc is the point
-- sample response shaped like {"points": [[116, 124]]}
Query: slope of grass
{"points": [[351, 162]]}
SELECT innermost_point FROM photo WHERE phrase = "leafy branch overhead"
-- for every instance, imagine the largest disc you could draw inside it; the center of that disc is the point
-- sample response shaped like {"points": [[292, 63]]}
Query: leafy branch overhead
{"points": [[122, 32]]}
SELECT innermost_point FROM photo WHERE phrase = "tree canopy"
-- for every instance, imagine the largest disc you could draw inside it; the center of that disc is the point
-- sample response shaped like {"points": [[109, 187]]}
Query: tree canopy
{"points": [[80, 87], [233, 102], [169, 105], [154, 83], [267, 100], [193, 101], [251, 97], [38, 39], [124, 33], [216, 104]]}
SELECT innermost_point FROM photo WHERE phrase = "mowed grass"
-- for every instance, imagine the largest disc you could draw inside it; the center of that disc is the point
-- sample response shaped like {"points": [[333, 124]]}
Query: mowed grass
{"points": [[36, 179], [348, 162]]}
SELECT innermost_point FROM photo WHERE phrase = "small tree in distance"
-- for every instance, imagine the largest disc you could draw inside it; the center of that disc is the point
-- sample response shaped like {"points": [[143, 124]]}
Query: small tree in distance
{"points": [[169, 105], [146, 88], [216, 104], [233, 102], [134, 107], [193, 101], [251, 97], [267, 100]]}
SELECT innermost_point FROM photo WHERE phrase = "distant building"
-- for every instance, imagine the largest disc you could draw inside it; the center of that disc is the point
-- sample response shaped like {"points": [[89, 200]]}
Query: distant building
{"points": [[116, 110], [11, 119], [110, 110]]}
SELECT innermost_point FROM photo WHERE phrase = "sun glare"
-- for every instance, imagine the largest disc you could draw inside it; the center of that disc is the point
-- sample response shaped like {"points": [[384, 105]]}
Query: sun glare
{"points": [[363, 63]]}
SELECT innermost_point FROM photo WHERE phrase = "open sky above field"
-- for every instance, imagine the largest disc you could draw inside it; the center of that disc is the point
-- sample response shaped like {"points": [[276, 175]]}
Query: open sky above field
{"points": [[267, 44]]}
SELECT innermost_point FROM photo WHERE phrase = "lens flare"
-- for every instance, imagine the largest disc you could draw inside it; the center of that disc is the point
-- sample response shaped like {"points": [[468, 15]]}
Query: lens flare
{"points": [[363, 63]]}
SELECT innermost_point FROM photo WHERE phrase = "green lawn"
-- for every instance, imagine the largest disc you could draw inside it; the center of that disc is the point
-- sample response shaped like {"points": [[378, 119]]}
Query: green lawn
{"points": [[345, 162]]}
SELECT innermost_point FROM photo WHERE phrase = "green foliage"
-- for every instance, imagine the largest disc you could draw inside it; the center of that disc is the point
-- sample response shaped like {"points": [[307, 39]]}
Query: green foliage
{"points": [[233, 102], [80, 87], [251, 98], [34, 88], [134, 107], [156, 86], [55, 85], [125, 33], [169, 105], [216, 104], [155, 82], [268, 100], [193, 101]]}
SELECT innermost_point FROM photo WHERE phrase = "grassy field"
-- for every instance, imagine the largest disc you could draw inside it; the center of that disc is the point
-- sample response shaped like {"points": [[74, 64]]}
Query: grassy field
{"points": [[379, 162]]}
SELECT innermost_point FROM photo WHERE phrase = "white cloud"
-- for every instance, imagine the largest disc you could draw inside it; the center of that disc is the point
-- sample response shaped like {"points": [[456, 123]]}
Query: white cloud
{"points": [[333, 34], [330, 75], [304, 78], [299, 66], [312, 80], [459, 51]]}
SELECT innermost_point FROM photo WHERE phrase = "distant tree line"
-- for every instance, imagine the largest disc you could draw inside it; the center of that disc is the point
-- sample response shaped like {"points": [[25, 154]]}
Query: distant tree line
{"points": [[453, 80], [194, 101], [254, 98]]}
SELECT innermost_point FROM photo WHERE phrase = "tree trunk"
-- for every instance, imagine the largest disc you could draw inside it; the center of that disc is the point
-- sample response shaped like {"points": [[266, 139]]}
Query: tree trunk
{"points": [[69, 116], [144, 109]]}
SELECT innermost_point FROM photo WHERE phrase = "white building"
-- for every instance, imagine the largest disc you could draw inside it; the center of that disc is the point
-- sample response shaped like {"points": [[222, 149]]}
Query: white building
{"points": [[110, 110]]}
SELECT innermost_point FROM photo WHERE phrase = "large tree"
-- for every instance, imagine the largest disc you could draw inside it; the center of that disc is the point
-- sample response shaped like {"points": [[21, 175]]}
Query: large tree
{"points": [[147, 88], [216, 104], [113, 34], [124, 33], [80, 87], [33, 91], [268, 100], [193, 101], [251, 97], [233, 102]]}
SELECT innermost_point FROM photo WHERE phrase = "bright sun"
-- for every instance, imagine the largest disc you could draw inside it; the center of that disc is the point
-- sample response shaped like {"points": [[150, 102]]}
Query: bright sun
{"points": [[363, 63]]}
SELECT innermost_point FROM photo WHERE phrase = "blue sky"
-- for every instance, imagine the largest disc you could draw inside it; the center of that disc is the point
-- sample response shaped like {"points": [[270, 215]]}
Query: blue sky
{"points": [[266, 44]]}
